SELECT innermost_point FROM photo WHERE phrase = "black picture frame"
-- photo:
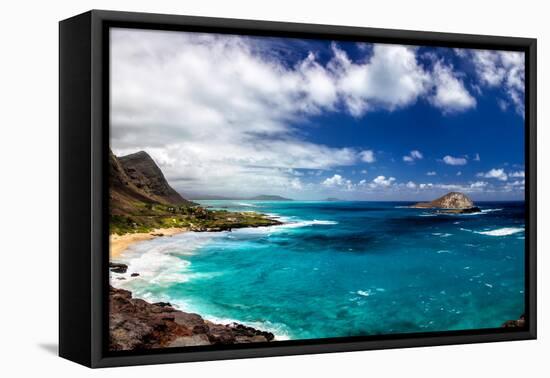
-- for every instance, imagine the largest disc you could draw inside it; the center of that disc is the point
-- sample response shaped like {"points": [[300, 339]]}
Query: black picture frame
{"points": [[83, 196]]}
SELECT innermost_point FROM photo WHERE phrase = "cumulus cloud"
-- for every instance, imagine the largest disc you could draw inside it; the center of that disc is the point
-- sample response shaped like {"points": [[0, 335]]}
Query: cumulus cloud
{"points": [[504, 69], [412, 156], [517, 174], [518, 185], [214, 112], [411, 185], [217, 111], [450, 93], [450, 160], [391, 79], [338, 181], [367, 156], [382, 181], [476, 186], [494, 173]]}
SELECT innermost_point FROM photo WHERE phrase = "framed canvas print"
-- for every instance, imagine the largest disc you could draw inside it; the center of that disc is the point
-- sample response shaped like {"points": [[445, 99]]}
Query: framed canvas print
{"points": [[234, 188]]}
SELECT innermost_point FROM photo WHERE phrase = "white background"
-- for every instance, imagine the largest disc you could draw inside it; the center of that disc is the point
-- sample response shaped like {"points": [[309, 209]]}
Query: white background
{"points": [[29, 186]]}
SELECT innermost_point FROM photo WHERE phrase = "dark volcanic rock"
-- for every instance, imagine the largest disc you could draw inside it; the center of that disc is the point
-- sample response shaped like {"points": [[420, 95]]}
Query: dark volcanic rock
{"points": [[452, 203], [136, 179], [134, 274], [136, 324], [118, 268], [519, 323], [163, 304], [146, 175]]}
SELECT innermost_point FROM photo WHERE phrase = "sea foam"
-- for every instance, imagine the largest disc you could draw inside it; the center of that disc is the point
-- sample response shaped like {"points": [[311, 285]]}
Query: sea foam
{"points": [[501, 231], [245, 204], [490, 210], [306, 223]]}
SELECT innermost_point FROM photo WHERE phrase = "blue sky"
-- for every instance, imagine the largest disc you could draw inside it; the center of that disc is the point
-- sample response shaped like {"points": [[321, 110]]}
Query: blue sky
{"points": [[309, 119]]}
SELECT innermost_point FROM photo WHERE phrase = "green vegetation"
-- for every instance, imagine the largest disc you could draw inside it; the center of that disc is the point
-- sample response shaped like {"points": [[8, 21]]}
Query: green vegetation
{"points": [[148, 217]]}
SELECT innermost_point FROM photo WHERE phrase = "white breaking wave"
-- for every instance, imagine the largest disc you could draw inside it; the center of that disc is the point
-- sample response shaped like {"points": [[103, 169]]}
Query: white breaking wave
{"points": [[502, 231], [490, 210], [308, 223], [288, 224], [159, 263], [280, 331], [245, 204]]}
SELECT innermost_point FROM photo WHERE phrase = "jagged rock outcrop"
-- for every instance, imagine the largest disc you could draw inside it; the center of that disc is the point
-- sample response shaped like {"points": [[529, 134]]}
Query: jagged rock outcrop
{"points": [[453, 202], [117, 267], [136, 324], [515, 323]]}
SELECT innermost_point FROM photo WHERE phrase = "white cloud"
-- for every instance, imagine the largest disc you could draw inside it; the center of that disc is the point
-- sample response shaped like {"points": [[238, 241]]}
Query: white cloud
{"points": [[478, 184], [367, 156], [391, 79], [412, 156], [505, 69], [431, 173], [518, 185], [217, 111], [450, 93], [338, 181], [494, 173], [382, 181], [364, 171], [454, 160], [470, 187], [476, 157], [459, 173], [411, 185], [517, 174], [202, 104]]}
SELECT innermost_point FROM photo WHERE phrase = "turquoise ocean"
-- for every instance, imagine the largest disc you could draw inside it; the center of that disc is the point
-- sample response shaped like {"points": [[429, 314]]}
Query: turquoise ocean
{"points": [[339, 269]]}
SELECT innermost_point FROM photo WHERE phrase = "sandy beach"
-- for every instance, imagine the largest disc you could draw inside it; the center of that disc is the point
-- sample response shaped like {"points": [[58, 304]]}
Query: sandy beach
{"points": [[119, 243]]}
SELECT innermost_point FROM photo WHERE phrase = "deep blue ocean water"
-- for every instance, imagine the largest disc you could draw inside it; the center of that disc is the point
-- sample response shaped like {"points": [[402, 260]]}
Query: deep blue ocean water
{"points": [[343, 269]]}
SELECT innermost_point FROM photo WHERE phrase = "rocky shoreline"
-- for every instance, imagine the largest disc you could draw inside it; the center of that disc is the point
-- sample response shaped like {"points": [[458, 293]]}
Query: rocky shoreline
{"points": [[519, 323], [137, 324]]}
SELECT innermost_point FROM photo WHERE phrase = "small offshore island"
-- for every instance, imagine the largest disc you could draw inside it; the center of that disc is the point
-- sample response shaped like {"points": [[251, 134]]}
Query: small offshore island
{"points": [[144, 206], [450, 203]]}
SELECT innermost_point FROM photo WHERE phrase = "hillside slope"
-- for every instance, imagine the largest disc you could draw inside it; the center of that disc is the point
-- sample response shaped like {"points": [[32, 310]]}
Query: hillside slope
{"points": [[145, 174], [141, 200]]}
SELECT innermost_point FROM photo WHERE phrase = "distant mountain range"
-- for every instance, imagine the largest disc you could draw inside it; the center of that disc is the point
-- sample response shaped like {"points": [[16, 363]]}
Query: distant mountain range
{"points": [[261, 197]]}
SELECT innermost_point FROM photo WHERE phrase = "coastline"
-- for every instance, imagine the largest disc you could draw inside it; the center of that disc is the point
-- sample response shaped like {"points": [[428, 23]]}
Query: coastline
{"points": [[119, 243], [292, 221], [159, 324], [137, 324]]}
